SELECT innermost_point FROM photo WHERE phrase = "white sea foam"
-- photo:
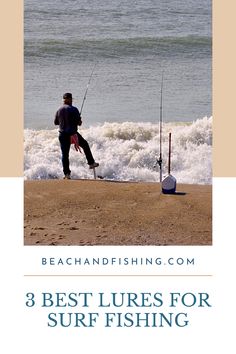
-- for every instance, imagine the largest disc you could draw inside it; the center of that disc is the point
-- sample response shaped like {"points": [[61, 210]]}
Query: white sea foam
{"points": [[126, 151]]}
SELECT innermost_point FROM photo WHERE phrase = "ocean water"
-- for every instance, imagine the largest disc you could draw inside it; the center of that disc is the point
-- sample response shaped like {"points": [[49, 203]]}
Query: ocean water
{"points": [[130, 43], [126, 152]]}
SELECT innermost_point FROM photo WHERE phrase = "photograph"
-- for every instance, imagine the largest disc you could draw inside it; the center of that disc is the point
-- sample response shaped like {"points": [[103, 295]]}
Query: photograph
{"points": [[118, 123], [120, 144]]}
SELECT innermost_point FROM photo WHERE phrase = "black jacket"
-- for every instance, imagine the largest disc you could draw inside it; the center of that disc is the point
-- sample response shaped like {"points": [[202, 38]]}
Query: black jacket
{"points": [[68, 118]]}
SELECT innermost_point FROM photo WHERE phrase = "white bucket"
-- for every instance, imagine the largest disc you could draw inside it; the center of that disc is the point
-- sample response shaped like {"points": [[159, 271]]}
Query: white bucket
{"points": [[169, 185]]}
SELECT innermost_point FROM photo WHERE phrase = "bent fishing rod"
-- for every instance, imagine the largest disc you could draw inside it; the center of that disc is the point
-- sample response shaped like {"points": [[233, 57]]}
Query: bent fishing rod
{"points": [[82, 105], [159, 160]]}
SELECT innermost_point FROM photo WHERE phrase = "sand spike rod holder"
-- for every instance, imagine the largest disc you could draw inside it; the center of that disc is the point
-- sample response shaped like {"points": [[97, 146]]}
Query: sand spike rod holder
{"points": [[169, 182]]}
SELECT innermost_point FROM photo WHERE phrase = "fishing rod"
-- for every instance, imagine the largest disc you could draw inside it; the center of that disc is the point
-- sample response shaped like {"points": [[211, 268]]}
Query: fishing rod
{"points": [[169, 182], [159, 161], [81, 108]]}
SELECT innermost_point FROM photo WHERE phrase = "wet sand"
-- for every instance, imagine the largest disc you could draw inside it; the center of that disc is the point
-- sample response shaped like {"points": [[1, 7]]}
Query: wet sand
{"points": [[98, 212]]}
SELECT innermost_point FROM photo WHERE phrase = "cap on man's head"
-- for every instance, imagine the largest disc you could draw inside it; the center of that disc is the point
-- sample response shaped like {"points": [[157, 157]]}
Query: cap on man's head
{"points": [[67, 95]]}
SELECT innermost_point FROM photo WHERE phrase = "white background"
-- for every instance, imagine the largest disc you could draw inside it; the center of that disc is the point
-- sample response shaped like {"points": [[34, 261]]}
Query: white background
{"points": [[25, 329]]}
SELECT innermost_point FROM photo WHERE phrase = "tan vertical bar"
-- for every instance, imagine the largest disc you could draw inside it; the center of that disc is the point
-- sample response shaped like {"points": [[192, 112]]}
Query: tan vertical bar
{"points": [[11, 88], [224, 88]]}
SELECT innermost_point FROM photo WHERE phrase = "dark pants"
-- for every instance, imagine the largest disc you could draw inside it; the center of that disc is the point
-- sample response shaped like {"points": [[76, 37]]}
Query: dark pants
{"points": [[64, 139]]}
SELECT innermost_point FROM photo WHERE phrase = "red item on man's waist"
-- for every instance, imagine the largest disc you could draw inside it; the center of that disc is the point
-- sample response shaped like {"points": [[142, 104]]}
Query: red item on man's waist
{"points": [[75, 140]]}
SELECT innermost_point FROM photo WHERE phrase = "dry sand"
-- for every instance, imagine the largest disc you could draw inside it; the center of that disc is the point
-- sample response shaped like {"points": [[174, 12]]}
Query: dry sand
{"points": [[98, 212]]}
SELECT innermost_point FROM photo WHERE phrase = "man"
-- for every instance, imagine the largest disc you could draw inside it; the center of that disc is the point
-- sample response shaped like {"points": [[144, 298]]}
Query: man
{"points": [[68, 118]]}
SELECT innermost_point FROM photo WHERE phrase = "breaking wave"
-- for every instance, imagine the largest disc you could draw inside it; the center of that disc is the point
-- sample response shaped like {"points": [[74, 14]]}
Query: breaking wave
{"points": [[126, 152]]}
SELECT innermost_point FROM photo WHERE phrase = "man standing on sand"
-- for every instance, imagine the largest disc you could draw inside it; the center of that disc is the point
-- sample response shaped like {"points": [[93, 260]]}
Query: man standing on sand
{"points": [[68, 118]]}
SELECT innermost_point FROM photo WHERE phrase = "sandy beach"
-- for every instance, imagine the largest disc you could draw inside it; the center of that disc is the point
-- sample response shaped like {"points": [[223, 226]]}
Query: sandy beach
{"points": [[98, 212]]}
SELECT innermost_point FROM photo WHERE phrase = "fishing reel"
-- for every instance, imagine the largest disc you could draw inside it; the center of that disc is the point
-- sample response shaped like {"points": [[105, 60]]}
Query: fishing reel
{"points": [[158, 162]]}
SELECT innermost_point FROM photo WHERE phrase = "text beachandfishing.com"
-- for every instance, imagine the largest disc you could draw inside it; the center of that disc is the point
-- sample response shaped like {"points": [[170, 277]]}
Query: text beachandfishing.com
{"points": [[117, 261]]}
